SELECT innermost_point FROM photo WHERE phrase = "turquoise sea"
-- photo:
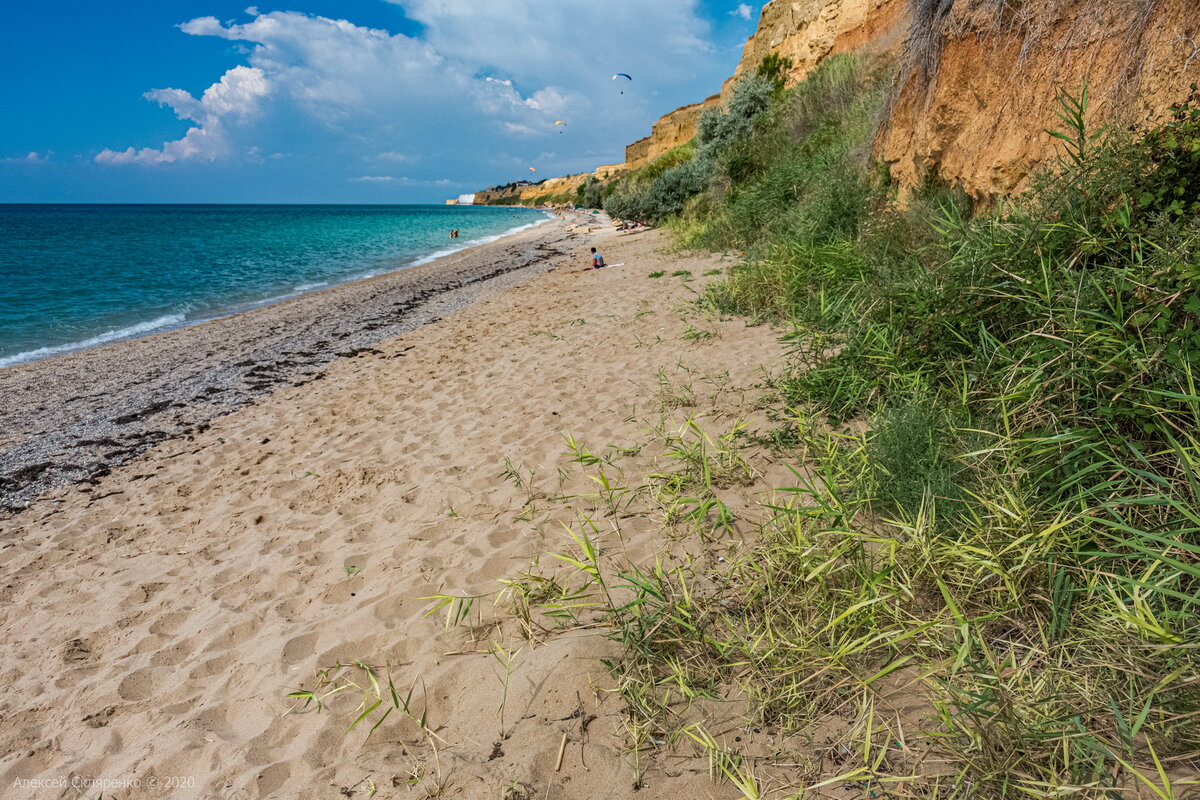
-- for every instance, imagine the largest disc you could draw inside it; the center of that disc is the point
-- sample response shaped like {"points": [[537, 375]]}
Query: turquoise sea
{"points": [[76, 276]]}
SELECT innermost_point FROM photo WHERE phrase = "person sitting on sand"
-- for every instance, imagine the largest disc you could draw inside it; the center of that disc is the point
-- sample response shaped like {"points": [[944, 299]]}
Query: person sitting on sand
{"points": [[597, 260]]}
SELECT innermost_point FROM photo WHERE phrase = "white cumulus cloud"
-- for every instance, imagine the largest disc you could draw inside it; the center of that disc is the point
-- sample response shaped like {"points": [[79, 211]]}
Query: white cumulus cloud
{"points": [[743, 10], [236, 95], [578, 43]]}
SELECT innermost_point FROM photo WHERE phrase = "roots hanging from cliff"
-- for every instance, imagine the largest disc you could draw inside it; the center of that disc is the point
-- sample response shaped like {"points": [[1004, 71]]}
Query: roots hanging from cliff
{"points": [[973, 92], [926, 35], [1073, 31]]}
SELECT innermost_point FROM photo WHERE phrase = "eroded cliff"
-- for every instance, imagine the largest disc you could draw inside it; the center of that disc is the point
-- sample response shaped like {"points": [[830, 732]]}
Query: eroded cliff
{"points": [[806, 32], [979, 83], [550, 190], [671, 130], [809, 31]]}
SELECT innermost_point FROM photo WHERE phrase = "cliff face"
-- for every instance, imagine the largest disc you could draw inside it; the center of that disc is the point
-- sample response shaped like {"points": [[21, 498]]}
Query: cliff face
{"points": [[523, 194], [975, 98], [979, 79], [671, 130], [808, 31]]}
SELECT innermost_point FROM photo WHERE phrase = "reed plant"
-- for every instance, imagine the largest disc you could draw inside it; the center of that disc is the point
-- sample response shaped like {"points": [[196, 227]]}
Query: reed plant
{"points": [[1017, 523]]}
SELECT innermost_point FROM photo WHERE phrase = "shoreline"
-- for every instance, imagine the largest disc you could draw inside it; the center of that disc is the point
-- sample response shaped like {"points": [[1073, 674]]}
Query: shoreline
{"points": [[174, 321], [106, 413]]}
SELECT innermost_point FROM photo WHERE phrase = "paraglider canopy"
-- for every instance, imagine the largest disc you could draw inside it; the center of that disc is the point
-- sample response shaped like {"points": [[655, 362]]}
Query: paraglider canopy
{"points": [[531, 169], [622, 75], [561, 122]]}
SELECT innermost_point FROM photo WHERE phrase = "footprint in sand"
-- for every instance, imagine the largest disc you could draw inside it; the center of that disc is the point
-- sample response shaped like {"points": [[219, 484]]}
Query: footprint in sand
{"points": [[213, 666], [341, 592], [390, 612], [169, 623], [174, 655], [101, 718], [141, 685], [299, 648], [77, 651], [234, 636]]}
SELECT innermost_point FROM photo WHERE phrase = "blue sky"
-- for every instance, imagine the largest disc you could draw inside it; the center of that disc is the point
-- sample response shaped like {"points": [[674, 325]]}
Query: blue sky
{"points": [[343, 101]]}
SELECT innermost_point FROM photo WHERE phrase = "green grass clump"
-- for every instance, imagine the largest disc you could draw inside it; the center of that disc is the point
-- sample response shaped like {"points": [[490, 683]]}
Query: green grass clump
{"points": [[1027, 383], [1016, 522], [910, 456]]}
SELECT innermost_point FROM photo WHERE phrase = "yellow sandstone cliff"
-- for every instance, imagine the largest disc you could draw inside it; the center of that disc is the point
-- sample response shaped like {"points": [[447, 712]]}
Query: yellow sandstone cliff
{"points": [[806, 32], [809, 31], [975, 99], [671, 130], [518, 194]]}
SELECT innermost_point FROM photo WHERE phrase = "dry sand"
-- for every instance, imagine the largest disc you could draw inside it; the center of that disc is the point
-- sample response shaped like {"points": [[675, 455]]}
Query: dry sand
{"points": [[154, 624]]}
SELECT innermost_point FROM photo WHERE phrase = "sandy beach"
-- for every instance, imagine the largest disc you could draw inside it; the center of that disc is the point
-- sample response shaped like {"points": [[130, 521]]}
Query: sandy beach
{"points": [[157, 617]]}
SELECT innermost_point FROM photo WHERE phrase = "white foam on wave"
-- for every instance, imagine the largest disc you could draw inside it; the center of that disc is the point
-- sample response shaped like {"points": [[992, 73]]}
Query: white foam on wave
{"points": [[477, 242], [158, 324]]}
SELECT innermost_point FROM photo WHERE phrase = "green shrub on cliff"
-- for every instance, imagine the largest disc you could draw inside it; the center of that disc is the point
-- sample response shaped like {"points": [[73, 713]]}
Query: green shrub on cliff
{"points": [[804, 167], [662, 189], [775, 68], [590, 193]]}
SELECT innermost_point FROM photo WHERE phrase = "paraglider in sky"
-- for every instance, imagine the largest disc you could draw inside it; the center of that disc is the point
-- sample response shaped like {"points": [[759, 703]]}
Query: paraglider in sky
{"points": [[624, 75], [560, 122], [531, 169]]}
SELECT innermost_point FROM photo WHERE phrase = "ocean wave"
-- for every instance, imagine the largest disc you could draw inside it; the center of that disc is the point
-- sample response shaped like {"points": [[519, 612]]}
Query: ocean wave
{"points": [[476, 243], [150, 326]]}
